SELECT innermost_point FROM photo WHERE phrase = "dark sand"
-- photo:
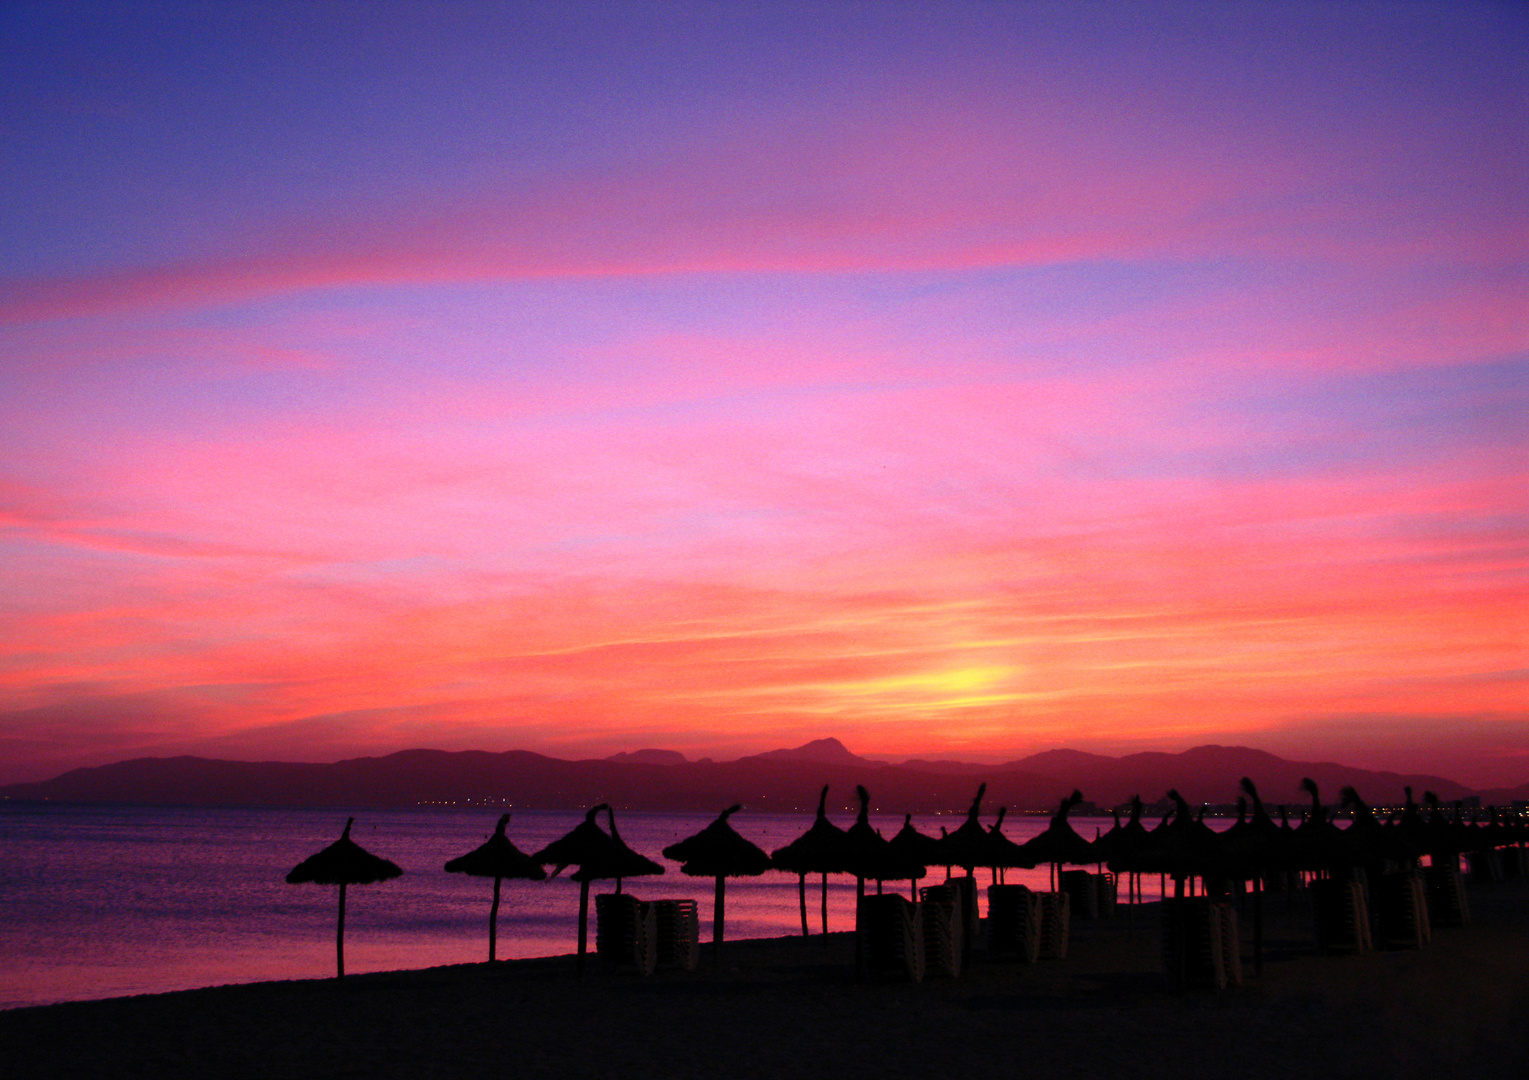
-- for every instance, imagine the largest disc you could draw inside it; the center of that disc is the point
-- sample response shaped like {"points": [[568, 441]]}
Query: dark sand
{"points": [[785, 1007]]}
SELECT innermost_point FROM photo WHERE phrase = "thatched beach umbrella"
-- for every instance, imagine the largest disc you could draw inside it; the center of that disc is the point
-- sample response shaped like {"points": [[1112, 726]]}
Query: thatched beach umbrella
{"points": [[1182, 847], [1375, 844], [1120, 849], [498, 859], [872, 857], [916, 847], [969, 846], [1321, 845], [620, 862], [1059, 842], [343, 863], [585, 844], [717, 851], [1003, 853], [822, 849]]}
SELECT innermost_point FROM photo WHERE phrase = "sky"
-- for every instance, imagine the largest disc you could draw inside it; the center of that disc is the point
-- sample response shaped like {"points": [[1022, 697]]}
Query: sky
{"points": [[960, 380]]}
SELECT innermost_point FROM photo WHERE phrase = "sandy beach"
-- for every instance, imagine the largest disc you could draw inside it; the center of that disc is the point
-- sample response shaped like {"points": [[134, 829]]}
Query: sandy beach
{"points": [[787, 1007]]}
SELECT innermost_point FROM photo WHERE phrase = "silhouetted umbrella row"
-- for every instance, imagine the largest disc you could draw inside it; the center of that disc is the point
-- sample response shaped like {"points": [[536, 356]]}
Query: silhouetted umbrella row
{"points": [[1182, 846]]}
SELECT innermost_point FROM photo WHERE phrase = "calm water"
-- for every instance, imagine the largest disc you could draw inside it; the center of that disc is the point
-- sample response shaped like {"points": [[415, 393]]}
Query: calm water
{"points": [[101, 901]]}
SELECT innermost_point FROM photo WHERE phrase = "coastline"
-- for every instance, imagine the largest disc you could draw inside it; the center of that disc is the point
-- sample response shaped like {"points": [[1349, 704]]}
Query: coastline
{"points": [[789, 1007]]}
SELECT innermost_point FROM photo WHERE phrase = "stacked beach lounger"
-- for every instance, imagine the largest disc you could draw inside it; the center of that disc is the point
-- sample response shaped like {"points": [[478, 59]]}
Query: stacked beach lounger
{"points": [[1201, 945], [891, 938], [1014, 922], [626, 932], [1446, 896], [941, 928], [1342, 916], [678, 933], [1401, 911]]}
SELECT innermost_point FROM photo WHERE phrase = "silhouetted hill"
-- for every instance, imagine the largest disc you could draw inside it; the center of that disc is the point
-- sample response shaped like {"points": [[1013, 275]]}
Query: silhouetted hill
{"points": [[817, 752], [649, 757], [660, 780]]}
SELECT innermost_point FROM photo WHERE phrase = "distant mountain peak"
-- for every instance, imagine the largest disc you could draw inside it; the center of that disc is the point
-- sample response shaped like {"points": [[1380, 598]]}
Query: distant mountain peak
{"points": [[828, 751]]}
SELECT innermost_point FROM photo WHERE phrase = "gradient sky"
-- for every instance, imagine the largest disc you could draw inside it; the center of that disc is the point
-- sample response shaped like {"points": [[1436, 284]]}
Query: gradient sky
{"points": [[956, 379]]}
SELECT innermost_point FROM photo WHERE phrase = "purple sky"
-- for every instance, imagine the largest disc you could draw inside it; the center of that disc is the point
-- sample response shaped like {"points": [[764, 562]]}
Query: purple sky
{"points": [[959, 379]]}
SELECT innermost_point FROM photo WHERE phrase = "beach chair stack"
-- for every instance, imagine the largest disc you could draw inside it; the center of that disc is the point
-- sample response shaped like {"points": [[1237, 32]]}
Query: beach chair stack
{"points": [[940, 929], [1201, 947], [1014, 922], [1446, 896], [1484, 865], [1056, 924], [1093, 895], [677, 934], [1108, 892], [966, 898], [1231, 940], [1401, 911], [891, 941], [626, 932], [1342, 916], [1083, 897], [961, 892], [1515, 867]]}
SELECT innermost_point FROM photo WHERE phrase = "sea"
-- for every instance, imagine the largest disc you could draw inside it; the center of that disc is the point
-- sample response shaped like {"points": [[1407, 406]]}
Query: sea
{"points": [[104, 901]]}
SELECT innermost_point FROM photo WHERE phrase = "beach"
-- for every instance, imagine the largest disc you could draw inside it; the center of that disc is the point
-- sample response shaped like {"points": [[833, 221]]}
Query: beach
{"points": [[789, 1007]]}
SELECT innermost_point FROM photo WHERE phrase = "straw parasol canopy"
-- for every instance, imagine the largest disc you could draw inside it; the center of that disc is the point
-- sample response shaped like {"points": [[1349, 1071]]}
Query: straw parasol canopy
{"points": [[621, 862], [1262, 847], [822, 849], [1119, 847], [969, 845], [1373, 842], [498, 859], [1059, 842], [585, 844], [1321, 845], [717, 851], [873, 858], [1182, 847], [343, 863], [916, 847]]}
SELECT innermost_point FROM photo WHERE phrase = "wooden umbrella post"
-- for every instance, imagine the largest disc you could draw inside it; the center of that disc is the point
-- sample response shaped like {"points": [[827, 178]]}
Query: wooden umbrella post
{"points": [[583, 922], [719, 899], [339, 938], [493, 920], [801, 899]]}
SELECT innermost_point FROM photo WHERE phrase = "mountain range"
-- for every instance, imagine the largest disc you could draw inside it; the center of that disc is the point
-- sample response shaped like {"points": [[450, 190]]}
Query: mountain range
{"points": [[786, 779]]}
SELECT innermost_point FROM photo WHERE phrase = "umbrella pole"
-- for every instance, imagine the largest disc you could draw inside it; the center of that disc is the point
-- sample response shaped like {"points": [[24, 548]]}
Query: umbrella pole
{"points": [[583, 922], [801, 899], [1258, 923], [825, 910], [717, 908], [859, 938], [339, 938], [493, 921]]}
